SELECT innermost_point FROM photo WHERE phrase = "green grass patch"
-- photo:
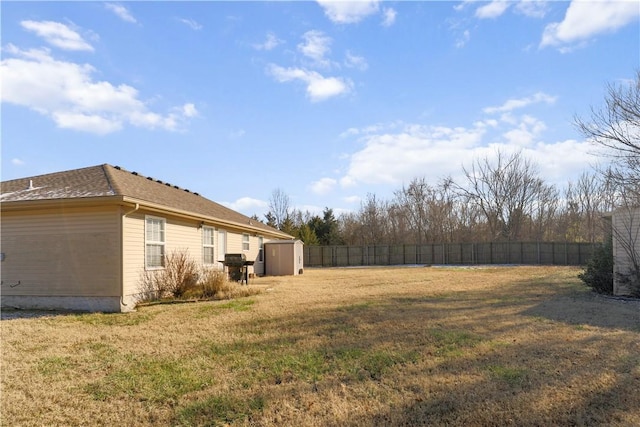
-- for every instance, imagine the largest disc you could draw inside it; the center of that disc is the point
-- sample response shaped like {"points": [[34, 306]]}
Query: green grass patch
{"points": [[234, 305], [54, 365], [148, 379], [219, 410], [512, 376], [451, 343], [279, 361]]}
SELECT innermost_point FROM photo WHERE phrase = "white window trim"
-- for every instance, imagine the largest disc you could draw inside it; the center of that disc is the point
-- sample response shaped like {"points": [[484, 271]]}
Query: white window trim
{"points": [[248, 242], [153, 242], [260, 249], [211, 245]]}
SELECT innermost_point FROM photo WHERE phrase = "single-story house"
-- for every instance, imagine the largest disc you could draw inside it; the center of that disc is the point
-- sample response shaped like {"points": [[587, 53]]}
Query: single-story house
{"points": [[625, 227], [81, 239]]}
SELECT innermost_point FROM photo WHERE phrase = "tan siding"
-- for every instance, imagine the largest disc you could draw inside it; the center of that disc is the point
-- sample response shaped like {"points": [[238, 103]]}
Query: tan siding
{"points": [[184, 237], [133, 250], [61, 252], [626, 226], [180, 235], [234, 243]]}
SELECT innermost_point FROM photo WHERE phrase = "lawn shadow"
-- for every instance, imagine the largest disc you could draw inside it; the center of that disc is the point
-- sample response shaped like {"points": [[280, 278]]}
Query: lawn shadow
{"points": [[588, 308], [15, 313], [455, 372]]}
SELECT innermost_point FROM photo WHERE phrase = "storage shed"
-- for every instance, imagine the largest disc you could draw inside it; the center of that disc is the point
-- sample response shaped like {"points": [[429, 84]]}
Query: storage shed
{"points": [[283, 257]]}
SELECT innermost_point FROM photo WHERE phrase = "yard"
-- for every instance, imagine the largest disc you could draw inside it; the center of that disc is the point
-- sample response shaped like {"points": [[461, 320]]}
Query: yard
{"points": [[339, 347]]}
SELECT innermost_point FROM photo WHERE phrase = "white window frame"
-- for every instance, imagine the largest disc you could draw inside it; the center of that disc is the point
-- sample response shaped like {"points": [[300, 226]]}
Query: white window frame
{"points": [[209, 245], [149, 242], [246, 242], [260, 249]]}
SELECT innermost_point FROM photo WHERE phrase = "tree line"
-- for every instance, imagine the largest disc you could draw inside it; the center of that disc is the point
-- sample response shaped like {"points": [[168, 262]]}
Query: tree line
{"points": [[498, 198]]}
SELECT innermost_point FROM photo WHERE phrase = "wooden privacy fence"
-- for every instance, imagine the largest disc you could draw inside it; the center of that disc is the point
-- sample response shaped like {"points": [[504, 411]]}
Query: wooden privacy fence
{"points": [[535, 253]]}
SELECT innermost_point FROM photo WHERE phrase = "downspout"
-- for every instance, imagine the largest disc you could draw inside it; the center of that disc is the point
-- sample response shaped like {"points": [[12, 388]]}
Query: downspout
{"points": [[122, 303]]}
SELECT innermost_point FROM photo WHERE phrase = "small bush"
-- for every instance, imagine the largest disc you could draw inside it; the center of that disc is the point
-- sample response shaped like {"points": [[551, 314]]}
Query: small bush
{"points": [[213, 282], [180, 273], [152, 288], [181, 278], [598, 274]]}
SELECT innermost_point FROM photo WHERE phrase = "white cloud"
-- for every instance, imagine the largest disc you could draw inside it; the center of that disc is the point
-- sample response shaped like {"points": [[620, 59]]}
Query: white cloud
{"points": [[394, 157], [189, 110], [319, 88], [57, 34], [493, 9], [191, 24], [352, 199], [532, 8], [355, 61], [349, 12], [121, 11], [513, 104], [389, 17], [436, 152], [270, 43], [315, 46], [67, 92], [525, 133], [92, 123], [585, 19], [323, 186], [247, 204], [463, 39], [17, 162]]}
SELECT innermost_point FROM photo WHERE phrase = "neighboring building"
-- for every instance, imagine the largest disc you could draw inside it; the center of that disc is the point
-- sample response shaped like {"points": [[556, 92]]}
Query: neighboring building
{"points": [[625, 226], [81, 239]]}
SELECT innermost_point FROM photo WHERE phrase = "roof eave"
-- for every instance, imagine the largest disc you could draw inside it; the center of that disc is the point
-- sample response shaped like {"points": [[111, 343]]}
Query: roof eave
{"points": [[18, 205], [209, 220]]}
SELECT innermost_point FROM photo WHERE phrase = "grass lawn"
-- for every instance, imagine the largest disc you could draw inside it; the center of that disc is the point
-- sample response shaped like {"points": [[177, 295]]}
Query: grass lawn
{"points": [[339, 347]]}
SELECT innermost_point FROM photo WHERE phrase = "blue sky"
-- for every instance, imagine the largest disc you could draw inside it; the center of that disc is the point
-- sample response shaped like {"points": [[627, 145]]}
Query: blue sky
{"points": [[327, 101]]}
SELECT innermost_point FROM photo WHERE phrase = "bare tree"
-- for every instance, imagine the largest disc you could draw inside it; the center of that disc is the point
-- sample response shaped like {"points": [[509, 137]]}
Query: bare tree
{"points": [[616, 128], [587, 200], [506, 191], [413, 203], [373, 217], [279, 207]]}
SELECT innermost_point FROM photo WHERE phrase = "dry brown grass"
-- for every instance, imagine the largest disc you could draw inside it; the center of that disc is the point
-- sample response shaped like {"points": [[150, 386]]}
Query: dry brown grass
{"points": [[340, 347]]}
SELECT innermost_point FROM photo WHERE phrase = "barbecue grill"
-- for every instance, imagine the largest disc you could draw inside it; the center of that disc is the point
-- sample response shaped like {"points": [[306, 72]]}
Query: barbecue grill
{"points": [[237, 267]]}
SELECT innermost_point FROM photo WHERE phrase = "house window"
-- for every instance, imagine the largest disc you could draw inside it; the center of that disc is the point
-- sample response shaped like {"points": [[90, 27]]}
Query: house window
{"points": [[208, 247], [154, 242], [260, 249], [245, 242]]}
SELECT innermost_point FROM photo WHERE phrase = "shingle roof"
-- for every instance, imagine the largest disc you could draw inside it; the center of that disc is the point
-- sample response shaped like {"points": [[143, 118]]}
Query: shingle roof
{"points": [[106, 180]]}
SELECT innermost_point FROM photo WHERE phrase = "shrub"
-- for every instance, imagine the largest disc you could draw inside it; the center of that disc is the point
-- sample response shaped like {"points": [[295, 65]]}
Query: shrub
{"points": [[180, 273], [598, 274], [151, 287], [182, 278], [213, 282]]}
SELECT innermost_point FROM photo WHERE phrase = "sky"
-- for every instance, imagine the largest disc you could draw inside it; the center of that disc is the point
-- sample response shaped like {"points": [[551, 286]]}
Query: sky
{"points": [[328, 102]]}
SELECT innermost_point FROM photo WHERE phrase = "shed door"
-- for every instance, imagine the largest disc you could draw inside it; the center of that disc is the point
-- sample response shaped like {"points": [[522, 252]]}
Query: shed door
{"points": [[222, 247]]}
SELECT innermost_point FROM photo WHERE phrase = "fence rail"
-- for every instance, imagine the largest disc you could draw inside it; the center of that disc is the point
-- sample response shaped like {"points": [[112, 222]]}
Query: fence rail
{"points": [[533, 253]]}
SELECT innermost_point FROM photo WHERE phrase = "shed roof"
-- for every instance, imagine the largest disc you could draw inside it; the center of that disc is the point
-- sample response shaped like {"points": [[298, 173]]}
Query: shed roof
{"points": [[106, 180]]}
